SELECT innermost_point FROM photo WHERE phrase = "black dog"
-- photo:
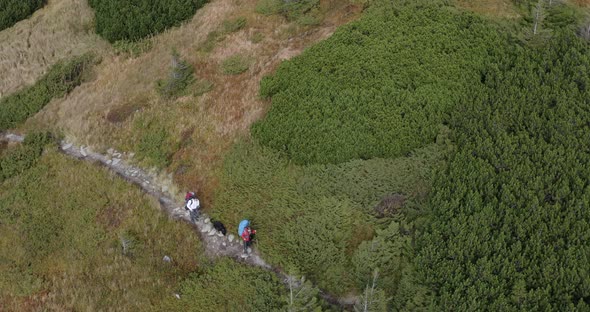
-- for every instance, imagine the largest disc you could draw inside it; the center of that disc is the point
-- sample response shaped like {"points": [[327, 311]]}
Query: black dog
{"points": [[219, 227]]}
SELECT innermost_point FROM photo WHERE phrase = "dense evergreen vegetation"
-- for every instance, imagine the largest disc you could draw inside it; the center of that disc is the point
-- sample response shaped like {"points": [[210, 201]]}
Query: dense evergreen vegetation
{"points": [[136, 19], [318, 221], [62, 78], [12, 11], [509, 228], [379, 87]]}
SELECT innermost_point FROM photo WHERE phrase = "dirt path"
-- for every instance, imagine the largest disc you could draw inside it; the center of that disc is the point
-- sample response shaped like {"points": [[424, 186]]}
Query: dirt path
{"points": [[216, 244]]}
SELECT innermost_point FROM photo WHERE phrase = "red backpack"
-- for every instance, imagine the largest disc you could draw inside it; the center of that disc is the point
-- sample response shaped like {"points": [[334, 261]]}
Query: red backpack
{"points": [[189, 196]]}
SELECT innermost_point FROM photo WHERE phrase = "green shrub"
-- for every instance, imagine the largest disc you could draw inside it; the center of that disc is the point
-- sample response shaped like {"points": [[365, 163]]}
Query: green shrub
{"points": [[379, 87], [181, 75], [292, 10], [233, 25], [133, 20], [132, 48], [228, 286], [257, 37], [62, 78], [18, 159], [509, 221], [235, 65], [213, 38], [268, 7], [202, 87], [154, 143], [12, 11]]}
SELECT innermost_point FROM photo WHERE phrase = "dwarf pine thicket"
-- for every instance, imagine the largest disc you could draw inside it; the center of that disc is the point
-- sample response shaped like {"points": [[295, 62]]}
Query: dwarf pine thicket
{"points": [[12, 11], [510, 219], [379, 87], [133, 20]]}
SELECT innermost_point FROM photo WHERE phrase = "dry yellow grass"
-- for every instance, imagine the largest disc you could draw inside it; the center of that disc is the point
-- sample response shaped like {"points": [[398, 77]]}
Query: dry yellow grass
{"points": [[209, 123], [61, 29], [581, 3], [492, 8]]}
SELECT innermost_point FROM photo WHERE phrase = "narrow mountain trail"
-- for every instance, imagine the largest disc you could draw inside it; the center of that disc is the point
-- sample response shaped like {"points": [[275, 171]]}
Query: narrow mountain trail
{"points": [[216, 244]]}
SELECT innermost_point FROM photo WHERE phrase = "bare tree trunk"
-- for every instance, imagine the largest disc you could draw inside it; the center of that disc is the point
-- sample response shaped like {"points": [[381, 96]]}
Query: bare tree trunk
{"points": [[369, 297], [538, 16]]}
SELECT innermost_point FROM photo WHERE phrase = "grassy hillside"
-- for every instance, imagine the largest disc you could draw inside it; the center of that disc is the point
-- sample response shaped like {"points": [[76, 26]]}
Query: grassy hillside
{"points": [[60, 30], [229, 286], [61, 79], [62, 229]]}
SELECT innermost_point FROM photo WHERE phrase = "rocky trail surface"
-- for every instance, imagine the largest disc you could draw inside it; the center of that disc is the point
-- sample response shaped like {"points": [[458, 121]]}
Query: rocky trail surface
{"points": [[216, 244]]}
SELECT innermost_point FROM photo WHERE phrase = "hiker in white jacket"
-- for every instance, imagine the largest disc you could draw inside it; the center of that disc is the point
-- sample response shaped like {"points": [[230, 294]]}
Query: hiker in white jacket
{"points": [[193, 205]]}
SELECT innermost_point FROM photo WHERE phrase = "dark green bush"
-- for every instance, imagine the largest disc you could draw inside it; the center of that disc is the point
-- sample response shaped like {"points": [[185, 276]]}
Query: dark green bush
{"points": [[132, 48], [235, 65], [379, 87], [18, 159], [233, 25], [12, 11], [136, 19], [62, 78], [181, 76], [510, 220], [154, 143]]}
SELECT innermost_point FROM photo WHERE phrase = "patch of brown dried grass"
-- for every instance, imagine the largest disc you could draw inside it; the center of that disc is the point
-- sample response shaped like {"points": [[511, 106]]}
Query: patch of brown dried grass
{"points": [[581, 3], [63, 28], [492, 8], [217, 117]]}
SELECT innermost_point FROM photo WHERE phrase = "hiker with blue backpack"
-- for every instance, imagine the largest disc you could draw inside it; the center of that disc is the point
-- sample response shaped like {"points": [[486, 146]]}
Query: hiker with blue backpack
{"points": [[247, 234]]}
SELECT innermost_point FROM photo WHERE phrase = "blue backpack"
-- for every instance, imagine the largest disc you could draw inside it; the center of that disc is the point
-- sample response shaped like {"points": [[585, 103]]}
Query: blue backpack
{"points": [[242, 226]]}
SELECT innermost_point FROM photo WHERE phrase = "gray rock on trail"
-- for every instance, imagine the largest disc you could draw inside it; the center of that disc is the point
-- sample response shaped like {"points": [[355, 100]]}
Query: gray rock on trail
{"points": [[116, 161], [83, 151], [206, 228], [166, 259], [219, 234], [230, 238], [109, 161], [66, 146], [212, 232], [207, 220], [110, 151]]}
